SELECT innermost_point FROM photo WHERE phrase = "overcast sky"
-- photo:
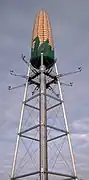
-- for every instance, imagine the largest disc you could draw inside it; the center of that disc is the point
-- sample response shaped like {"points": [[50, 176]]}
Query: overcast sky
{"points": [[70, 25]]}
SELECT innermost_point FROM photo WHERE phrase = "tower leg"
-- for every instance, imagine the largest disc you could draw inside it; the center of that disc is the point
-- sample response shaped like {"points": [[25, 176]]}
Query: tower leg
{"points": [[43, 124], [66, 123], [19, 129]]}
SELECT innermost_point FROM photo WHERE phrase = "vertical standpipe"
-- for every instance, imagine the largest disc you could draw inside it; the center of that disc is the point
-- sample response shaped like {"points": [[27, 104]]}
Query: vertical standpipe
{"points": [[43, 124]]}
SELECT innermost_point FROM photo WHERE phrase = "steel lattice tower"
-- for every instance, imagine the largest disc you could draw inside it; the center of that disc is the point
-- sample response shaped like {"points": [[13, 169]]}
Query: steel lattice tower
{"points": [[43, 127]]}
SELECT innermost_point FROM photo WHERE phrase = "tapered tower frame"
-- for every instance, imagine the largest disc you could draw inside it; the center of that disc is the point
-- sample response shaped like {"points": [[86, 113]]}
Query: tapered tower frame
{"points": [[43, 140]]}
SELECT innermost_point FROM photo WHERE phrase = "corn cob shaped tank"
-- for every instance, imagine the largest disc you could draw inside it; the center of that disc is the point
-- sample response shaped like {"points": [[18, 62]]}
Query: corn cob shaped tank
{"points": [[42, 41]]}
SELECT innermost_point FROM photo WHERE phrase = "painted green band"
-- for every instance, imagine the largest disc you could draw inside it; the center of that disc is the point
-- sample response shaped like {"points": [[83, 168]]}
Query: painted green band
{"points": [[45, 47]]}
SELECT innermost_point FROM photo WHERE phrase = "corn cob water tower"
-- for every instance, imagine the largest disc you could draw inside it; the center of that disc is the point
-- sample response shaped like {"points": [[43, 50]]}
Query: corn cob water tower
{"points": [[43, 148]]}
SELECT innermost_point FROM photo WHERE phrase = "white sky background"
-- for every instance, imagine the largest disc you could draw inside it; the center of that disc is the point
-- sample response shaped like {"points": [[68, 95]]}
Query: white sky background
{"points": [[70, 25]]}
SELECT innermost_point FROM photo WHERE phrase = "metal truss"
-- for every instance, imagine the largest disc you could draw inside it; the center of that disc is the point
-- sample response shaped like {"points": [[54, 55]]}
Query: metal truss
{"points": [[43, 100]]}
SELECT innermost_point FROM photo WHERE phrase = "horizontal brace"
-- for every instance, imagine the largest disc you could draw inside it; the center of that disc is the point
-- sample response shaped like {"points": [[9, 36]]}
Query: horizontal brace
{"points": [[33, 97], [29, 137], [34, 82], [25, 175], [68, 178], [60, 174], [57, 137], [51, 76], [57, 99], [32, 106], [57, 129], [53, 106], [29, 129], [38, 84], [51, 82], [32, 77]]}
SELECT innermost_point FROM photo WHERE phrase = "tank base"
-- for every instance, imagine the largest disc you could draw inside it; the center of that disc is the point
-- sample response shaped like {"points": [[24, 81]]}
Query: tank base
{"points": [[36, 62]]}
